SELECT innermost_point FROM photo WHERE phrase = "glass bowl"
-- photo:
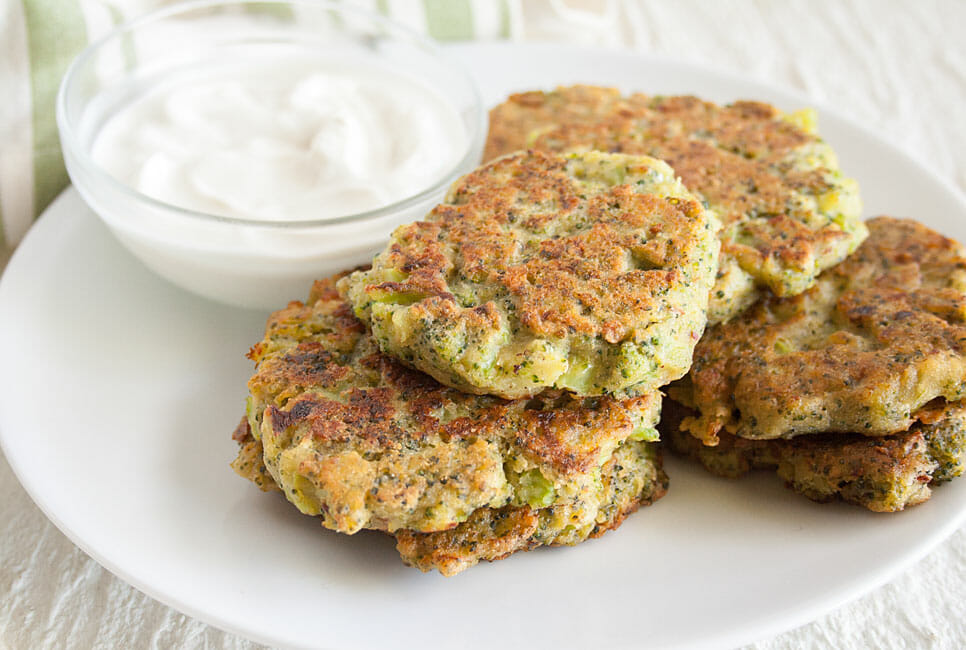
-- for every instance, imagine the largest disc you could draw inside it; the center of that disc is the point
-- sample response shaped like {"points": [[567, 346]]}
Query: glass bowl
{"points": [[248, 262]]}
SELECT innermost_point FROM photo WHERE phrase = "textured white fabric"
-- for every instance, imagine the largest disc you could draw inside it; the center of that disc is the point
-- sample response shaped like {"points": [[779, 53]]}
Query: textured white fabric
{"points": [[897, 67]]}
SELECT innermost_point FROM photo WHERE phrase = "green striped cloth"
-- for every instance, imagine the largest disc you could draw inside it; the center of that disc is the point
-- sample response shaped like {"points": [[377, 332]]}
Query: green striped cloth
{"points": [[39, 38]]}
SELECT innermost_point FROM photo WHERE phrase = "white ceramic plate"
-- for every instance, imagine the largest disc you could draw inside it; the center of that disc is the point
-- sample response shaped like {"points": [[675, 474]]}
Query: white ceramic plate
{"points": [[120, 393]]}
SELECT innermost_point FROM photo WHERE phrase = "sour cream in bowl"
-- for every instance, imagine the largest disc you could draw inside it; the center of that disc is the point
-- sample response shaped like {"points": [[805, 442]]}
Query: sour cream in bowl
{"points": [[242, 149]]}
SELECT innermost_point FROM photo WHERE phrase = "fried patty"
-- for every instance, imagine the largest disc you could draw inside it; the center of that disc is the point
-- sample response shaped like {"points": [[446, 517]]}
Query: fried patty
{"points": [[787, 210], [877, 338], [631, 478], [585, 272], [883, 474], [351, 435]]}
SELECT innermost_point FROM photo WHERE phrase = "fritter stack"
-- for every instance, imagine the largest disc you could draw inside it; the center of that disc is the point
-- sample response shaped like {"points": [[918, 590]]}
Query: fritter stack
{"points": [[492, 382], [853, 389], [547, 300], [787, 210], [848, 386]]}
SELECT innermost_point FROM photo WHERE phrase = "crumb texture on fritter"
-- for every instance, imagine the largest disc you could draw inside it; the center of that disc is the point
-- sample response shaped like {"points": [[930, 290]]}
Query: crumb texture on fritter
{"points": [[632, 478], [350, 434], [586, 272], [249, 463], [877, 338], [884, 474], [788, 211]]}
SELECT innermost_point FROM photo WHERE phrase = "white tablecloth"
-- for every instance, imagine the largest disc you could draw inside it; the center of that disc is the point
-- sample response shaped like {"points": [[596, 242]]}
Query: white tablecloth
{"points": [[896, 67]]}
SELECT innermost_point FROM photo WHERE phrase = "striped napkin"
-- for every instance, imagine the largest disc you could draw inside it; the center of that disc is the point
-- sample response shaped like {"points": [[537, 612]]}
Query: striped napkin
{"points": [[39, 38]]}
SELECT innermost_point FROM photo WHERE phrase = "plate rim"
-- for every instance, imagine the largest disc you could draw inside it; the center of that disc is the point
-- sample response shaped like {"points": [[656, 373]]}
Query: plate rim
{"points": [[739, 634]]}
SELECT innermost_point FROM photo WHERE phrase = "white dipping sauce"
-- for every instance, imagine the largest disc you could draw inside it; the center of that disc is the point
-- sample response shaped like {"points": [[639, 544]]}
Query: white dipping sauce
{"points": [[297, 138]]}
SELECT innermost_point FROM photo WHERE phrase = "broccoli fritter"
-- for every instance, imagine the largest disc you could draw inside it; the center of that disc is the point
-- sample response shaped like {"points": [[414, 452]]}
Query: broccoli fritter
{"points": [[884, 474], [877, 338], [787, 210], [350, 434], [631, 478], [588, 273]]}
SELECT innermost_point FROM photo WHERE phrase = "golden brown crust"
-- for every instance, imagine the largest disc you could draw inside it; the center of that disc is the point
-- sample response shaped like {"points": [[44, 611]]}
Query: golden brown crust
{"points": [[879, 336], [488, 535], [882, 474], [353, 435], [523, 113], [579, 282], [544, 251], [632, 478], [249, 462], [752, 129], [583, 281], [786, 210], [761, 230]]}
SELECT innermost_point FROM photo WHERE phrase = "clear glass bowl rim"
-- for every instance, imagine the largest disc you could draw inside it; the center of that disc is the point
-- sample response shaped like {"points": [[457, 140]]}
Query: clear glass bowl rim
{"points": [[69, 139]]}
